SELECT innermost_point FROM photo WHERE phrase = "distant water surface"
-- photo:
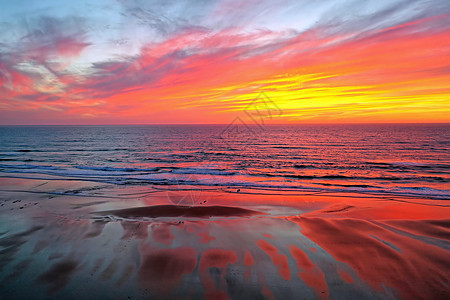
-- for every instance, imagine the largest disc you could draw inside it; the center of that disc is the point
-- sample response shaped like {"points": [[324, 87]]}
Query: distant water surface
{"points": [[406, 160]]}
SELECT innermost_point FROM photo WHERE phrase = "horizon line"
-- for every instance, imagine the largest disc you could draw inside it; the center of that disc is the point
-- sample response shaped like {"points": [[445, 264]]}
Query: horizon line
{"points": [[225, 124]]}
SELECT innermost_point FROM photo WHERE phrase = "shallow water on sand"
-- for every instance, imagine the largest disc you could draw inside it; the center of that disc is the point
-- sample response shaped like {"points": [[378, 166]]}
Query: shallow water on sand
{"points": [[77, 239]]}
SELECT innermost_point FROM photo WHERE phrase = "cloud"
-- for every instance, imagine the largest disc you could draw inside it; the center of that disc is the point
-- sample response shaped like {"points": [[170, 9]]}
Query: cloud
{"points": [[52, 38], [216, 58]]}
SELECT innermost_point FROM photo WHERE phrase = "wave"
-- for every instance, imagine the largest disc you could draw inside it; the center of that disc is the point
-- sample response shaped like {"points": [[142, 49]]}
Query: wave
{"points": [[202, 171], [116, 169], [218, 171], [213, 176], [408, 164]]}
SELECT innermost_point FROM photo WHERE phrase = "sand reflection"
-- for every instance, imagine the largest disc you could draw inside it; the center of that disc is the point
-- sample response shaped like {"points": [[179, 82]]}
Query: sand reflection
{"points": [[334, 248]]}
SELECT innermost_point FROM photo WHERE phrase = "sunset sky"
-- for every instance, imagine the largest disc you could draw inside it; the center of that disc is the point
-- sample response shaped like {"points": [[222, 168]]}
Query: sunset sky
{"points": [[153, 62]]}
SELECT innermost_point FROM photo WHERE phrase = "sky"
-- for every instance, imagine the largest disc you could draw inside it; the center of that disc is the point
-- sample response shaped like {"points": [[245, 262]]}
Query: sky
{"points": [[215, 61]]}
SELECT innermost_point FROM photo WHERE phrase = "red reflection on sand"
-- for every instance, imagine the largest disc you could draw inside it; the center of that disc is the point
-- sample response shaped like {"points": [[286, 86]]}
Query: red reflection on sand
{"points": [[345, 276], [278, 259], [161, 233], [162, 269], [400, 211], [248, 262], [310, 273], [267, 292], [268, 236], [220, 259], [248, 259], [439, 229], [415, 268], [217, 258], [205, 237]]}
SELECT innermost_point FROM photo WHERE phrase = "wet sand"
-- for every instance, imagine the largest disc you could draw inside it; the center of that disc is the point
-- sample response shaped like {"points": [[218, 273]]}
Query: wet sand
{"points": [[159, 211], [74, 239]]}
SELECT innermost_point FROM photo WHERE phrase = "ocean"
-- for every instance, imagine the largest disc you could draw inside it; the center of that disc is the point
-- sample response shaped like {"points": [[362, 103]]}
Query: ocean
{"points": [[382, 159]]}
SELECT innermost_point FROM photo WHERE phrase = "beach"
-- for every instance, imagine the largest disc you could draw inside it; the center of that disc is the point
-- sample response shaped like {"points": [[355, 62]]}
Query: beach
{"points": [[90, 240], [195, 212]]}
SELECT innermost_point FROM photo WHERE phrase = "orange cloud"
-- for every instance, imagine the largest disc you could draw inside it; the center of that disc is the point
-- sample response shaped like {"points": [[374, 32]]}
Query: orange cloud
{"points": [[396, 74]]}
